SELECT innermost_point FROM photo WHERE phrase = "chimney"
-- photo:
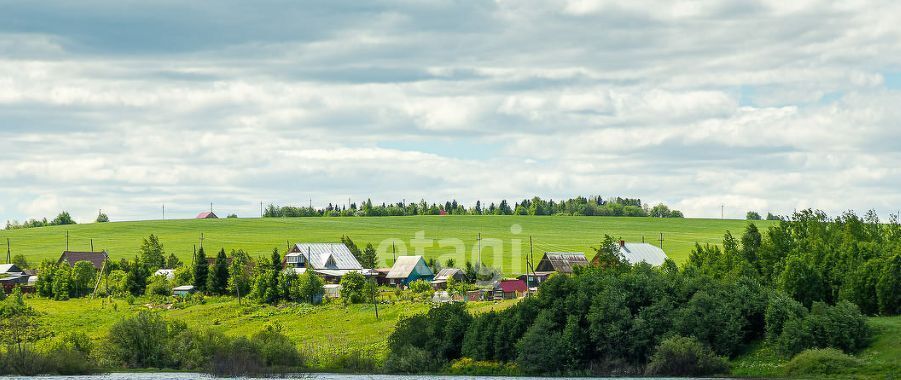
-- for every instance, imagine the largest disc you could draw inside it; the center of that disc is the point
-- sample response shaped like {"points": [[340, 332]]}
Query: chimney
{"points": [[622, 243]]}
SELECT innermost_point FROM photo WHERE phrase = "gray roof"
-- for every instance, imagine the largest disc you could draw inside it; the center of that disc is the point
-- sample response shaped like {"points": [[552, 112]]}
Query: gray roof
{"points": [[562, 262], [7, 268], [638, 252], [446, 273], [405, 265], [334, 256], [183, 288]]}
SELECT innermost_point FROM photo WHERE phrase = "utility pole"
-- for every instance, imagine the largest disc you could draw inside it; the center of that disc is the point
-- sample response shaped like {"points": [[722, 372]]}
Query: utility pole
{"points": [[661, 240], [479, 242], [261, 209], [164, 211], [211, 206], [393, 252], [67, 240], [92, 245], [529, 266], [722, 211], [8, 256]]}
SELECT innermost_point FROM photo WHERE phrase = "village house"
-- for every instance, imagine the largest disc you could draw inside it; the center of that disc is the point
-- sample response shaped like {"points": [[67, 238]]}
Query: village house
{"points": [[554, 262], [95, 258], [331, 261], [509, 289], [12, 276], [408, 269], [635, 253], [440, 280]]}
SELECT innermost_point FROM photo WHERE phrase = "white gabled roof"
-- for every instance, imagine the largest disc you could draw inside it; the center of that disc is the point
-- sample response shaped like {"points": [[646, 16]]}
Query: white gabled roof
{"points": [[405, 265], [332, 256], [8, 268], [638, 252]]}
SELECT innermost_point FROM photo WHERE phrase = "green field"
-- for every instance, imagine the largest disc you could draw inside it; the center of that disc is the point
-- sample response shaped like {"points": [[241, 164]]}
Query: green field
{"points": [[320, 332], [453, 236]]}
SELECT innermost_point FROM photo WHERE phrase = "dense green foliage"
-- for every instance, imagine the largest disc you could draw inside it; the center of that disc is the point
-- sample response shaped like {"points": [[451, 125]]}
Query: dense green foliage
{"points": [[580, 206], [827, 361], [685, 356], [613, 318], [146, 340]]}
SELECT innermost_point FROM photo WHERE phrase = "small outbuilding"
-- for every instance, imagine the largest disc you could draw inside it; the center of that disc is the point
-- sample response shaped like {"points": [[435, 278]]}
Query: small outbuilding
{"points": [[535, 278], [183, 291], [510, 289], [95, 258], [408, 269], [207, 215], [440, 280], [168, 273], [561, 262]]}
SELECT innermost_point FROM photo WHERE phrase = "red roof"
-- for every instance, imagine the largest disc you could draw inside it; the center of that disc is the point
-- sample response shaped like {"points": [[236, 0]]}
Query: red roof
{"points": [[207, 215], [512, 286]]}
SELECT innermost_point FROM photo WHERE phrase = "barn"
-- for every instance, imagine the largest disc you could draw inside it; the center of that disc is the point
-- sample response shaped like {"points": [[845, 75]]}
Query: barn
{"points": [[440, 281]]}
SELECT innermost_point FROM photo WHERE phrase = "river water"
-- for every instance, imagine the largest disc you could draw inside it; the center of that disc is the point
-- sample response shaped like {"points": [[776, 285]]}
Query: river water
{"points": [[323, 376]]}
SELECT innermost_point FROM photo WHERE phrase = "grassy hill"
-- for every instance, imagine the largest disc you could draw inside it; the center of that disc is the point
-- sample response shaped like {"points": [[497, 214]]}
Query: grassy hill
{"points": [[454, 236]]}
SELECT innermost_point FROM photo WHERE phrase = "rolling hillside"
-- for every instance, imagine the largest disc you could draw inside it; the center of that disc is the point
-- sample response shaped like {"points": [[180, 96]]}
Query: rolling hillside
{"points": [[454, 236]]}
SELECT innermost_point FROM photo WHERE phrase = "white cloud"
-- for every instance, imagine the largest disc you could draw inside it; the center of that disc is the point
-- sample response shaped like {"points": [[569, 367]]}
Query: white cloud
{"points": [[770, 105]]}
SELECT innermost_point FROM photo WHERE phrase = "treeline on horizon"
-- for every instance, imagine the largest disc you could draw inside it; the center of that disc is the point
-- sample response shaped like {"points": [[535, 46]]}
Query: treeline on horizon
{"points": [[578, 206], [802, 286]]}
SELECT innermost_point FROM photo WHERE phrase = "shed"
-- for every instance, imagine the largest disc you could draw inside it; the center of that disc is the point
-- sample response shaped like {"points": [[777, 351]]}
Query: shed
{"points": [[95, 258], [440, 280], [408, 269], [561, 262], [510, 289], [207, 215], [332, 290], [183, 290]]}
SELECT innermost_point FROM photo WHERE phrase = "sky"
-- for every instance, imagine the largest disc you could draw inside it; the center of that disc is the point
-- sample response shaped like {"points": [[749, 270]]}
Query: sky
{"points": [[126, 106]]}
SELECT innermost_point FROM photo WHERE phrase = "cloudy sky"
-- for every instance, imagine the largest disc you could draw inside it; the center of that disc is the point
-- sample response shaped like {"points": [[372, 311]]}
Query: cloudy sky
{"points": [[769, 105]]}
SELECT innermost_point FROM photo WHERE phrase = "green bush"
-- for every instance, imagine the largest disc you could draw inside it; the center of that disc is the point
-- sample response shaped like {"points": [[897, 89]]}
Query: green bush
{"points": [[275, 349], [820, 362], [139, 341], [409, 359], [841, 326], [685, 356], [159, 286], [780, 310], [469, 367]]}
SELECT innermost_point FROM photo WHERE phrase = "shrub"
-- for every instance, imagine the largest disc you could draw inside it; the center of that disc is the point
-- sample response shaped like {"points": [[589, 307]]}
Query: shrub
{"points": [[469, 367], [841, 326], [685, 356], [409, 359], [780, 310], [275, 349], [139, 341], [540, 350], [236, 358], [420, 286], [352, 285], [158, 286], [820, 362]]}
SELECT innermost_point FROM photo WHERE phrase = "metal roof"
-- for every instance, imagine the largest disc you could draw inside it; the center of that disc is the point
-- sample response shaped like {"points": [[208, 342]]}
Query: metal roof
{"points": [[95, 258], [562, 262], [638, 252], [447, 273], [7, 268], [331, 256], [405, 265]]}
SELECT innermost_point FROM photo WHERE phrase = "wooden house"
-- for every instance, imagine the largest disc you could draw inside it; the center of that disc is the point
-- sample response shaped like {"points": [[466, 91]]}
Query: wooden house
{"points": [[408, 269], [561, 262], [95, 258], [331, 261], [440, 279], [509, 289]]}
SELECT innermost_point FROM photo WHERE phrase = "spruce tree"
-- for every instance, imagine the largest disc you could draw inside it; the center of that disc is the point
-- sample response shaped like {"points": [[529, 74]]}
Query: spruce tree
{"points": [[218, 279], [201, 270]]}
